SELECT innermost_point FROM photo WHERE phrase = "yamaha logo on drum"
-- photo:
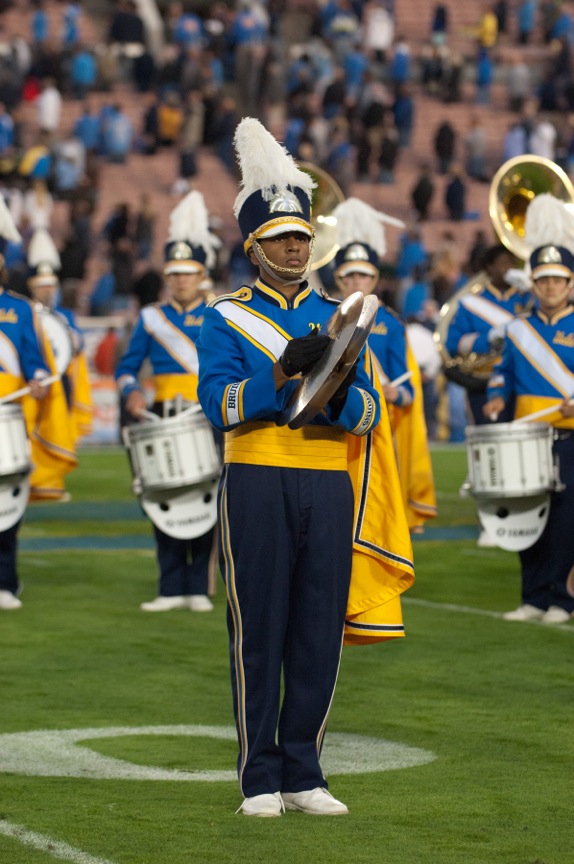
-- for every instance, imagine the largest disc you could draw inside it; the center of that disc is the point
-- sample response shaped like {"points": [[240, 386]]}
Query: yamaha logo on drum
{"points": [[492, 466], [169, 458]]}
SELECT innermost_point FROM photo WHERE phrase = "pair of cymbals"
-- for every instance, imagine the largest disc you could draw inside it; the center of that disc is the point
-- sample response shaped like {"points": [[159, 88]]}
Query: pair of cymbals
{"points": [[348, 329]]}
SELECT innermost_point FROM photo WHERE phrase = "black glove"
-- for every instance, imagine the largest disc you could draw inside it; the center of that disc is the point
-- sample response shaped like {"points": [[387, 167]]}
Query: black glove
{"points": [[302, 353], [339, 397]]}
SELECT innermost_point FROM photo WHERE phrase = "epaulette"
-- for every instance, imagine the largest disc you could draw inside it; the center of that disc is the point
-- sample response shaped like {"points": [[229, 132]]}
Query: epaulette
{"points": [[244, 294], [394, 313], [18, 296]]}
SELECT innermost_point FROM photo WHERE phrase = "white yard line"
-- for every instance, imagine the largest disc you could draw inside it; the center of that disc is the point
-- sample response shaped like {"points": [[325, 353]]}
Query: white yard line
{"points": [[48, 844], [486, 613]]}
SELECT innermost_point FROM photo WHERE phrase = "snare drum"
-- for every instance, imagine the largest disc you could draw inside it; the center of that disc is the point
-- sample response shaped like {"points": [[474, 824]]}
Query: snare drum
{"points": [[173, 453], [510, 460], [14, 446]]}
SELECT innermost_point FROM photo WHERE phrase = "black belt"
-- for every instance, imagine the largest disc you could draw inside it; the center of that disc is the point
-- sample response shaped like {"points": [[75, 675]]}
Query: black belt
{"points": [[563, 434]]}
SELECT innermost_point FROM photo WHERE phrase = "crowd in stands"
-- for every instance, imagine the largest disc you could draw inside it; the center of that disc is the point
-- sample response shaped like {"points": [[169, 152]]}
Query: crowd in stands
{"points": [[336, 80]]}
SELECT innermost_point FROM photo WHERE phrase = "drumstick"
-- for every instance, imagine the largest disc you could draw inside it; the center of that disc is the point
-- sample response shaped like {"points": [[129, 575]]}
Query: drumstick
{"points": [[148, 415], [400, 380], [542, 413], [25, 390]]}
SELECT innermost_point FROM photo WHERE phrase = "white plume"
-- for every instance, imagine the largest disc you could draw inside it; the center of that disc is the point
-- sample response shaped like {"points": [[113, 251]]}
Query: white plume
{"points": [[8, 229], [265, 165], [358, 222], [42, 250], [549, 221], [189, 221]]}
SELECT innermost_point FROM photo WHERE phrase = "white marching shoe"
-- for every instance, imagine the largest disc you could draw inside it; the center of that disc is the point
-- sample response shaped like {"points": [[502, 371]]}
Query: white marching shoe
{"points": [[484, 541], [270, 804], [165, 604], [526, 612], [317, 802], [556, 615], [9, 601], [199, 603]]}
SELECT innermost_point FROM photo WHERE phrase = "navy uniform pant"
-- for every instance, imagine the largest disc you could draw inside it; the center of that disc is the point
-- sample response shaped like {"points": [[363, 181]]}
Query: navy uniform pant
{"points": [[546, 564], [183, 564], [8, 550], [285, 544]]}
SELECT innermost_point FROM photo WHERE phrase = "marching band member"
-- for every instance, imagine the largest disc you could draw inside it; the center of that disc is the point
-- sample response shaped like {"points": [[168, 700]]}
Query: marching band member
{"points": [[166, 334], [54, 450], [479, 323], [362, 245], [537, 367], [21, 361], [290, 532]]}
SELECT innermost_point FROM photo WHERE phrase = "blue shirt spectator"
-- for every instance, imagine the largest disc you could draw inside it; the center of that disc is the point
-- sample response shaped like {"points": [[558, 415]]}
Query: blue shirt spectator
{"points": [[39, 24], [88, 129], [412, 253], [83, 72], [6, 130], [526, 20], [188, 31], [400, 67], [70, 24], [117, 135]]}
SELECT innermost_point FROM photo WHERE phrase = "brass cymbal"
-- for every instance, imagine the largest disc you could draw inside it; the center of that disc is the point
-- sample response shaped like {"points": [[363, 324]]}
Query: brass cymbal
{"points": [[349, 328]]}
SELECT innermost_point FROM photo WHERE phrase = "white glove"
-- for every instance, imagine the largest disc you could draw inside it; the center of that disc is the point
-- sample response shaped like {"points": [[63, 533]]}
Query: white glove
{"points": [[495, 336], [518, 279]]}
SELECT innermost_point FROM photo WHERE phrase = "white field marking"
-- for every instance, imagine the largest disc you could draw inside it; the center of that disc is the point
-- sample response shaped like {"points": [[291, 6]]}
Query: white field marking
{"points": [[48, 844], [54, 753], [470, 610]]}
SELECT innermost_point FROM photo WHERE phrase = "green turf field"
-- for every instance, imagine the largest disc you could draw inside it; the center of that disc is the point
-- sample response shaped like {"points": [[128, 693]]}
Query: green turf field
{"points": [[452, 746]]}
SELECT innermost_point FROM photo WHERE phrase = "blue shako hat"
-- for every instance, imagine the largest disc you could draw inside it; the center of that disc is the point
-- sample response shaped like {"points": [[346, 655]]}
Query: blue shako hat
{"points": [[357, 258], [275, 195], [551, 261], [361, 237], [190, 246], [183, 257]]}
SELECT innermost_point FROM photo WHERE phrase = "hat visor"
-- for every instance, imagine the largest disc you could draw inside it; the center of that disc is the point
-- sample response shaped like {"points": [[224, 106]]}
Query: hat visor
{"points": [[551, 270], [274, 228], [190, 267], [362, 267]]}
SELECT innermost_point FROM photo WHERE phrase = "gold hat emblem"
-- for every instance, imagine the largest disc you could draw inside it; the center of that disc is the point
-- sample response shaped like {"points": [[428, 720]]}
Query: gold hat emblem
{"points": [[45, 270]]}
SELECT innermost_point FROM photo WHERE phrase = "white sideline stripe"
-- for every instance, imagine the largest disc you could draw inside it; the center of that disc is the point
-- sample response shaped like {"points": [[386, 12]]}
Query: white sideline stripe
{"points": [[487, 613], [48, 844]]}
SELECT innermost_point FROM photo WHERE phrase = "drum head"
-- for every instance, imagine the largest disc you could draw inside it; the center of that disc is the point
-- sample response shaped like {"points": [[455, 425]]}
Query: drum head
{"points": [[14, 494], [514, 523], [183, 513], [349, 328], [59, 338]]}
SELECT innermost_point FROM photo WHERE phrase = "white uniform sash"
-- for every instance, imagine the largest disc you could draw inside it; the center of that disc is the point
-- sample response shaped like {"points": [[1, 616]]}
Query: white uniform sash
{"points": [[490, 312], [260, 331], [9, 356], [173, 340], [541, 356]]}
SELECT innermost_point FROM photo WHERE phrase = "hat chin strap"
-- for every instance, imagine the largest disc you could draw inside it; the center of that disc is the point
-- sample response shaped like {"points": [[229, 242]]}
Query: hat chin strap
{"points": [[293, 276]]}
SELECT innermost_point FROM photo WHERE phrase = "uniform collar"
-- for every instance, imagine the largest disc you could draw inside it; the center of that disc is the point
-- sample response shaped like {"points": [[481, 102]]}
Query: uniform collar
{"points": [[272, 295], [189, 308], [555, 318], [502, 295]]}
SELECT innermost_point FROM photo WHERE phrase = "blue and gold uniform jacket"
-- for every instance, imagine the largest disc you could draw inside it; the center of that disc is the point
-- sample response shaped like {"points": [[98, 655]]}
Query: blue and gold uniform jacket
{"points": [[388, 343], [243, 335], [478, 313], [537, 364], [166, 334], [20, 352]]}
